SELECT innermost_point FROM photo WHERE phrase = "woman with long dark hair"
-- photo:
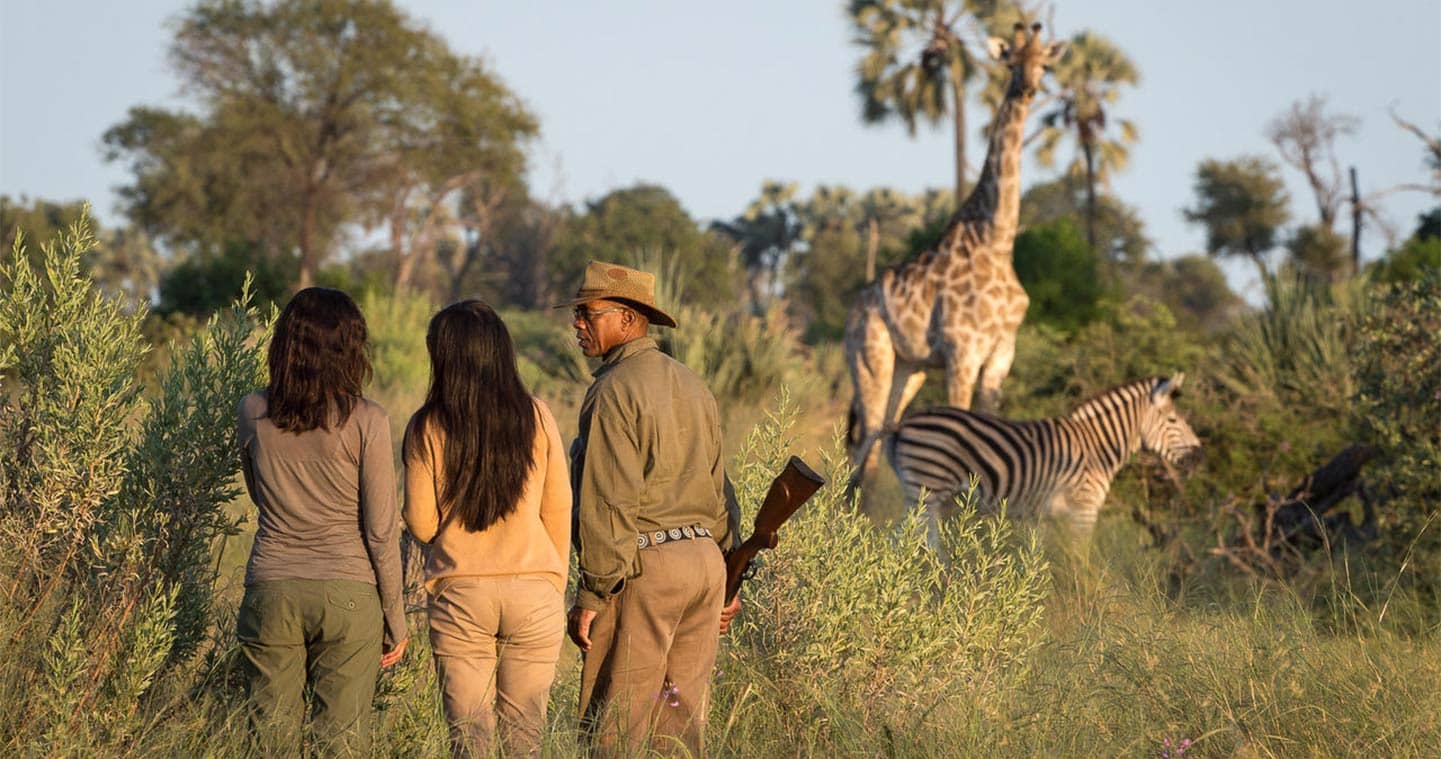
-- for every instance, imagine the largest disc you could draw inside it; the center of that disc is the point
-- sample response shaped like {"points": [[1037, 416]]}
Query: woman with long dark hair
{"points": [[486, 485], [323, 605]]}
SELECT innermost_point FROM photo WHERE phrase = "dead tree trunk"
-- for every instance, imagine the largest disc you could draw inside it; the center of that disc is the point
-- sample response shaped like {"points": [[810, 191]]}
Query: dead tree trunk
{"points": [[1277, 528], [1301, 519]]}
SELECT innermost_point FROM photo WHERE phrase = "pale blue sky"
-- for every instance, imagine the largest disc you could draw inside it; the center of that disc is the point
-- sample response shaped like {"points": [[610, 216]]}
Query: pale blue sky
{"points": [[710, 99]]}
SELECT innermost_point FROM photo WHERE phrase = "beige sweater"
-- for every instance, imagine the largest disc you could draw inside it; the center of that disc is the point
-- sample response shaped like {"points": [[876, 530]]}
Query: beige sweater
{"points": [[532, 540]]}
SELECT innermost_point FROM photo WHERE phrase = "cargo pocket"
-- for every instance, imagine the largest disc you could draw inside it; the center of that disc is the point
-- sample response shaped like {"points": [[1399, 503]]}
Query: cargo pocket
{"points": [[353, 610]]}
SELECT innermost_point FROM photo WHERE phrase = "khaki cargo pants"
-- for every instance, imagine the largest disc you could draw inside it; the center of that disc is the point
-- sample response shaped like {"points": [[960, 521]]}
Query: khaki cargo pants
{"points": [[496, 642], [326, 634], [664, 625]]}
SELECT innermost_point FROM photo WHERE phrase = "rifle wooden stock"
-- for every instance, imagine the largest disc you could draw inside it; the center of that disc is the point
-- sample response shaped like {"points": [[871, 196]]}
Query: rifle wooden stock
{"points": [[790, 490]]}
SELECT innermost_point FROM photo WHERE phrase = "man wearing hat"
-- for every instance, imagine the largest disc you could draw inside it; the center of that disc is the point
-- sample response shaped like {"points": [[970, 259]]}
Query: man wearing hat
{"points": [[652, 515]]}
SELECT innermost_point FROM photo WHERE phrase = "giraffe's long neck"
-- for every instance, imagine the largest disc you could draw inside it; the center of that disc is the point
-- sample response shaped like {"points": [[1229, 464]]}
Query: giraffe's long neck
{"points": [[996, 198]]}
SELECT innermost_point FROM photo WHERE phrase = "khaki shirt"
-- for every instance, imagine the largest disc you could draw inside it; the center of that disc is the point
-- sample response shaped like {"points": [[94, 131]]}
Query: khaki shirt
{"points": [[648, 457]]}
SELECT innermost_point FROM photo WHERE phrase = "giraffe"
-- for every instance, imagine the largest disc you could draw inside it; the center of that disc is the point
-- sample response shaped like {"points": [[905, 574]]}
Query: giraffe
{"points": [[957, 306]]}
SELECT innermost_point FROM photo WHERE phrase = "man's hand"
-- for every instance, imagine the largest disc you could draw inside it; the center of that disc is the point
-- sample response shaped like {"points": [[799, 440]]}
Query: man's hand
{"points": [[729, 612], [392, 655], [578, 625]]}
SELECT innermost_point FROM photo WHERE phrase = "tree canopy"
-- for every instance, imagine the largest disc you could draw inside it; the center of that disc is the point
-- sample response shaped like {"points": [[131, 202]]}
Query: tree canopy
{"points": [[314, 117], [1242, 205], [630, 225]]}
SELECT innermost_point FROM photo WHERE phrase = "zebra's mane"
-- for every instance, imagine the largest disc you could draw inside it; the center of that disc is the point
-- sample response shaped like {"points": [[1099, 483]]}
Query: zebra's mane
{"points": [[1094, 405]]}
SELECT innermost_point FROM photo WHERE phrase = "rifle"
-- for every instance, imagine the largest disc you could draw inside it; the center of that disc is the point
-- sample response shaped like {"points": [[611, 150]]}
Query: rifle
{"points": [[791, 489]]}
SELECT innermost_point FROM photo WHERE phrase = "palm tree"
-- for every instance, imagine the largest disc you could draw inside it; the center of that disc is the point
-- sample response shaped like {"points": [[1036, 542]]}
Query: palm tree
{"points": [[1090, 79], [916, 65]]}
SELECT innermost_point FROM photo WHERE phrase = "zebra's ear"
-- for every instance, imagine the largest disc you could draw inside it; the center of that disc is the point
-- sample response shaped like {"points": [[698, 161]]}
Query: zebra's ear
{"points": [[1168, 388]]}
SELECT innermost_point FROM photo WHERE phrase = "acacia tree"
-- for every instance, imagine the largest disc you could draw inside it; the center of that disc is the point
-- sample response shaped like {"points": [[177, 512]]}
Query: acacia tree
{"points": [[917, 65], [1090, 77], [1242, 204], [315, 116]]}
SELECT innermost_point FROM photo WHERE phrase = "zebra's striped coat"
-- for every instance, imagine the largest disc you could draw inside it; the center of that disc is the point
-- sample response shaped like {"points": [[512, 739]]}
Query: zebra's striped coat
{"points": [[1060, 467]]}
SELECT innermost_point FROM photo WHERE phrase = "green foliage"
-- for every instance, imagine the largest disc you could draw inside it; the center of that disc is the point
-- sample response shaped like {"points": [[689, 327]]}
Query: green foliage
{"points": [[846, 236], [1055, 371], [766, 235], [1090, 76], [396, 324], [846, 624], [637, 221], [1318, 252], [1298, 348], [550, 362], [111, 506], [121, 262], [1193, 288], [316, 116], [201, 284], [70, 394], [180, 473], [1418, 256], [1414, 260], [1061, 274], [1120, 232], [739, 355], [1398, 402], [1242, 204]]}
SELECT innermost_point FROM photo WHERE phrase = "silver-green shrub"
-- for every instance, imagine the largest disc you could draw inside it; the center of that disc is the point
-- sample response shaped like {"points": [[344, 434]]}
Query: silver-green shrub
{"points": [[847, 624], [111, 505]]}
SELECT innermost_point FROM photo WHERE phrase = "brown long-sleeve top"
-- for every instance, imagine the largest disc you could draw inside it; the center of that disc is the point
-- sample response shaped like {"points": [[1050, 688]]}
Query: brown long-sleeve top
{"points": [[648, 457], [326, 501], [533, 539]]}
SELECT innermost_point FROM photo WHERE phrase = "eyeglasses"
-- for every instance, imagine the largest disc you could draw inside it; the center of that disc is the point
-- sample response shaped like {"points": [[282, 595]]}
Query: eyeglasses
{"points": [[584, 315]]}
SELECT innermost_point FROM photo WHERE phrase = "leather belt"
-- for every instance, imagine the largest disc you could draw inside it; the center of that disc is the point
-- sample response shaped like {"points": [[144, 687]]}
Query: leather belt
{"points": [[648, 539]]}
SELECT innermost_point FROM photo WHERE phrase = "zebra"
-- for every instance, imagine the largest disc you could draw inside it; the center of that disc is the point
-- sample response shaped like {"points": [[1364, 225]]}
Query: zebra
{"points": [[1060, 467]]}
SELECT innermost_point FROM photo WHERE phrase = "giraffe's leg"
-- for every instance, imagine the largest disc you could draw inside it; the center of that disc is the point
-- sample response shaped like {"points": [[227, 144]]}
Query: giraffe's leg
{"points": [[993, 373], [963, 364], [871, 360], [907, 382]]}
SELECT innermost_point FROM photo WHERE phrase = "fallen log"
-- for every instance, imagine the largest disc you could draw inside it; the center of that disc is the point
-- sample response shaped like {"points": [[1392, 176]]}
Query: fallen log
{"points": [[1301, 519]]}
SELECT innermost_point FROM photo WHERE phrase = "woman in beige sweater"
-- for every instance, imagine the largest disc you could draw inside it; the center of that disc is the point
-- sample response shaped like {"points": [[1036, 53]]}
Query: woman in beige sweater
{"points": [[486, 485]]}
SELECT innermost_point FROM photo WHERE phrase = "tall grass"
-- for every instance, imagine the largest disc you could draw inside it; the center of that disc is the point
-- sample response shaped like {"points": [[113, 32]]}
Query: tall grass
{"points": [[854, 640]]}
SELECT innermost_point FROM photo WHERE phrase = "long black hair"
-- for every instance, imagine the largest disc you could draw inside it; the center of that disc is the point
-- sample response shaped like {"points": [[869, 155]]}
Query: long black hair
{"points": [[318, 361], [479, 404]]}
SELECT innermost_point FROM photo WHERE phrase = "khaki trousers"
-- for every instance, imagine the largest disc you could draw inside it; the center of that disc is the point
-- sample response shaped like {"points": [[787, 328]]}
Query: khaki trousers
{"points": [[496, 642], [663, 625], [325, 633]]}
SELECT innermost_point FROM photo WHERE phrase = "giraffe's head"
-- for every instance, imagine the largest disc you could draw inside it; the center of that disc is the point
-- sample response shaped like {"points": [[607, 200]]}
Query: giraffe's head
{"points": [[1027, 55], [1163, 429]]}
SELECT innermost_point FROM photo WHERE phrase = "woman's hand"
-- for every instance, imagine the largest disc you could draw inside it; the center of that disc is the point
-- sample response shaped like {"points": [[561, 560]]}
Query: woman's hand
{"points": [[393, 655]]}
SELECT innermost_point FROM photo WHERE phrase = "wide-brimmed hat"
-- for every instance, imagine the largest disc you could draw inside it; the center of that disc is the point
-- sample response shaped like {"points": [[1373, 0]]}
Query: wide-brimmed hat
{"points": [[620, 283]]}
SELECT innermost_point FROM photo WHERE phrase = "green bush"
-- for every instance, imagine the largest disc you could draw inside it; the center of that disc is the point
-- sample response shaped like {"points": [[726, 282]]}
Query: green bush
{"points": [[1398, 403], [1298, 348], [111, 506], [852, 633], [1062, 275]]}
